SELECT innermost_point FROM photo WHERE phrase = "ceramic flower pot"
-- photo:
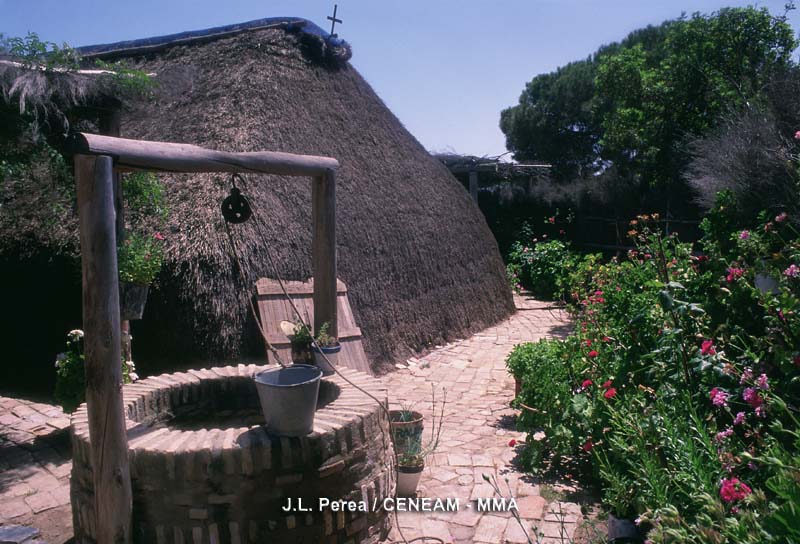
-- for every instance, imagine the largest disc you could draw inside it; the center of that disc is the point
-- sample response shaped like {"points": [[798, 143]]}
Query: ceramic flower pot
{"points": [[326, 363], [408, 479], [406, 427], [622, 530], [132, 298]]}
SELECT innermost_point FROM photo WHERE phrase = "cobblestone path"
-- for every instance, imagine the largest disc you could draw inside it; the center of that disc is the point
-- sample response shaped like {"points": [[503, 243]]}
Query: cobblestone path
{"points": [[476, 435]]}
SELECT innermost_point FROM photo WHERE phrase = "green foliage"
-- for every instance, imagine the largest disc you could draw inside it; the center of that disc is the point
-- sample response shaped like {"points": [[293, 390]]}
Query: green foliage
{"points": [[145, 196], [539, 266], [127, 80], [140, 258], [636, 102], [678, 391], [324, 338], [71, 376], [33, 52]]}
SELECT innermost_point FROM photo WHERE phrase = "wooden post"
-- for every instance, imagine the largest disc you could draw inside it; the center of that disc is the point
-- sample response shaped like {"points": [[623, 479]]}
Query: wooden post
{"points": [[323, 209], [473, 185], [110, 123], [101, 323]]}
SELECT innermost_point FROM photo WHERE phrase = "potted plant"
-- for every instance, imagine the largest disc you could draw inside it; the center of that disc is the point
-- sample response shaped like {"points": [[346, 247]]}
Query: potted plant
{"points": [[411, 451], [299, 335], [326, 350], [139, 258], [406, 426], [71, 376]]}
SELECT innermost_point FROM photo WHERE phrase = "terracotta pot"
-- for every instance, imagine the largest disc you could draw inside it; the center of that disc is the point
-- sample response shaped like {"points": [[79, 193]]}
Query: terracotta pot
{"points": [[132, 298], [301, 354], [408, 479]]}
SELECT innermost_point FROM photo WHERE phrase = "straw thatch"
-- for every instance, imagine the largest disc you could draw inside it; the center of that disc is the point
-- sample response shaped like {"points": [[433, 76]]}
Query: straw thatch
{"points": [[419, 260]]}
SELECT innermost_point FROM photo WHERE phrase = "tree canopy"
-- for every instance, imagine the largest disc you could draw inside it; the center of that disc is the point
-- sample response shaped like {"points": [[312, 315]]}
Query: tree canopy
{"points": [[636, 104]]}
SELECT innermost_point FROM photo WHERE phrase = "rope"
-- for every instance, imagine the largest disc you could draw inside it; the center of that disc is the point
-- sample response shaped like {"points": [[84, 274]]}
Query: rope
{"points": [[272, 349]]}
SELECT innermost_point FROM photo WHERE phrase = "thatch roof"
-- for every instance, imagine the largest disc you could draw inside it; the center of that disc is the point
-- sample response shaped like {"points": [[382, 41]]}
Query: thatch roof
{"points": [[419, 260]]}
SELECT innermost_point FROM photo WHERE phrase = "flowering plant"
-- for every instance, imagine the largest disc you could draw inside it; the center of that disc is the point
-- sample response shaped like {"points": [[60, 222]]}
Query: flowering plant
{"points": [[70, 374], [684, 382], [140, 257]]}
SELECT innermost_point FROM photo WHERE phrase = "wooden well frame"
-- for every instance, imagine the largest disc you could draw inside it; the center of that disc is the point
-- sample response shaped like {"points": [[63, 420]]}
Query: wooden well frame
{"points": [[97, 159]]}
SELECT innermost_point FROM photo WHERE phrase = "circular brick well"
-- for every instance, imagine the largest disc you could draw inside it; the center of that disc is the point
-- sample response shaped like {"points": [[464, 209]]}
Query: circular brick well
{"points": [[204, 470]]}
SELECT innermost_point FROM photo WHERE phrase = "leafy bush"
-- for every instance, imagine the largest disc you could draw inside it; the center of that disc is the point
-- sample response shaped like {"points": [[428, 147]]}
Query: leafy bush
{"points": [[539, 267], [680, 387], [71, 376]]}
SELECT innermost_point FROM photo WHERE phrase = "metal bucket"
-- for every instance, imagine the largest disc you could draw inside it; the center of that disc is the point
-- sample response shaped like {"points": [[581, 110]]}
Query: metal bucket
{"points": [[289, 398]]}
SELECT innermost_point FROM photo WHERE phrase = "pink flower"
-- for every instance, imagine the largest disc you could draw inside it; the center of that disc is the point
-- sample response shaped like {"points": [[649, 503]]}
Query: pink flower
{"points": [[158, 236], [763, 382], [744, 235], [751, 397], [792, 272], [747, 375], [781, 217], [606, 384], [797, 135], [719, 397], [610, 393], [733, 490], [586, 383], [512, 443], [551, 219], [722, 435], [707, 348], [734, 273], [592, 354], [587, 342], [739, 419], [587, 446]]}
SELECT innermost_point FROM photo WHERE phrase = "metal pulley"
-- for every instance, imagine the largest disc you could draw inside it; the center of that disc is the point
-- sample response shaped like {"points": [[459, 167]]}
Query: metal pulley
{"points": [[236, 208]]}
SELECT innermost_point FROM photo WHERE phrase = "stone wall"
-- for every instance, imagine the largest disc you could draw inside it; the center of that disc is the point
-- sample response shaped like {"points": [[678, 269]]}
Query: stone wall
{"points": [[203, 472]]}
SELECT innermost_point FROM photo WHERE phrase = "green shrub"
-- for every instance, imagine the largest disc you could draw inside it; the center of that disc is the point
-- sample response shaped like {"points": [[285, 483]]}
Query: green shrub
{"points": [[71, 375], [540, 267]]}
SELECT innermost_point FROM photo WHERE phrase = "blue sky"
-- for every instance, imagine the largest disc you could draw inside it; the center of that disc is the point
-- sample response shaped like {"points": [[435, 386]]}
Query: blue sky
{"points": [[445, 67]]}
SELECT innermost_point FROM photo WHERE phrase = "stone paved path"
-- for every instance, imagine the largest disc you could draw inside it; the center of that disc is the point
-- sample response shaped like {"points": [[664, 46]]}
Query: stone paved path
{"points": [[34, 467], [478, 427]]}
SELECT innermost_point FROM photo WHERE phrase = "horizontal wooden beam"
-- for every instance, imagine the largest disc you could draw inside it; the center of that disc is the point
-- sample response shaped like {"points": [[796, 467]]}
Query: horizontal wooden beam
{"points": [[171, 157]]}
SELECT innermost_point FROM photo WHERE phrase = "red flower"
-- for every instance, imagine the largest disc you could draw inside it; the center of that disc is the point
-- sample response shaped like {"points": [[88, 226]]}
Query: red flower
{"points": [[512, 443], [734, 273], [606, 385], [551, 219], [587, 342], [587, 446], [707, 348], [592, 354], [610, 393], [733, 490], [586, 383]]}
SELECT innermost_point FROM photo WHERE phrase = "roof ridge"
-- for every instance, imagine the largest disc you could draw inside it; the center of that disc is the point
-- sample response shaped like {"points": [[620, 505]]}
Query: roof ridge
{"points": [[146, 45]]}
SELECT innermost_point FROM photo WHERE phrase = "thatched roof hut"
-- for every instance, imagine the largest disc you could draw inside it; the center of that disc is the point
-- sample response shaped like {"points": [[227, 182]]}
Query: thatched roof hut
{"points": [[419, 261]]}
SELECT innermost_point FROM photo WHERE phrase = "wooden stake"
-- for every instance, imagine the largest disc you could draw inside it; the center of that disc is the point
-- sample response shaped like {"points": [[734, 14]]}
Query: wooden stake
{"points": [[101, 322], [473, 185], [323, 209]]}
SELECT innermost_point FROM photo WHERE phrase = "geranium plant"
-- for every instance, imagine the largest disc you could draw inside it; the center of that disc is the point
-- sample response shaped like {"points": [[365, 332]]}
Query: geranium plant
{"points": [[140, 257]]}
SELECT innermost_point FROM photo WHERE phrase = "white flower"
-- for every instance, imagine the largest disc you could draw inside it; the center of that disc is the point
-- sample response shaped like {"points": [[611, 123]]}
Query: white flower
{"points": [[133, 376], [539, 436], [61, 357], [76, 334], [130, 365]]}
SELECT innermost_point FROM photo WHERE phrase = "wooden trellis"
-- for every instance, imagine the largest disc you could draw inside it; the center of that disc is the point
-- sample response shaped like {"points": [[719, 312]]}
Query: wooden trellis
{"points": [[96, 160]]}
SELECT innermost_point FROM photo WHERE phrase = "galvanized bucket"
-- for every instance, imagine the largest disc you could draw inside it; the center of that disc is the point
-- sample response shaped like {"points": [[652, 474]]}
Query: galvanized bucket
{"points": [[289, 398]]}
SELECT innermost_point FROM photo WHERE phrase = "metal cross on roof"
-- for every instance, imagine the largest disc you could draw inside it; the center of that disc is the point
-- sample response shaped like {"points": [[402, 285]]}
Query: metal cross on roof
{"points": [[334, 20]]}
